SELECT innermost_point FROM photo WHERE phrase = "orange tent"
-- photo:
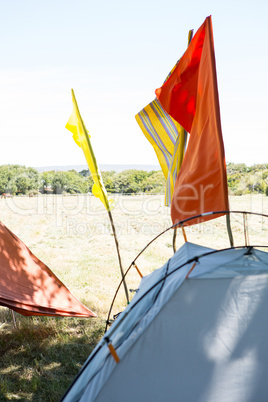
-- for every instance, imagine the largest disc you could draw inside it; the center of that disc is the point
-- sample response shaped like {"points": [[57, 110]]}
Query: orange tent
{"points": [[29, 287]]}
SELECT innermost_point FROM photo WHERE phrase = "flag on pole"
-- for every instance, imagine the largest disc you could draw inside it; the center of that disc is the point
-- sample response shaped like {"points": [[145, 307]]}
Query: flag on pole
{"points": [[190, 96], [166, 136], [175, 165], [82, 138]]}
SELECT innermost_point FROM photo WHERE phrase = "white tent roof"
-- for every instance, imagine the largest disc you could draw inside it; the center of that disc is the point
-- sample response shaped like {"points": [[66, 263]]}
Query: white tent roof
{"points": [[203, 338]]}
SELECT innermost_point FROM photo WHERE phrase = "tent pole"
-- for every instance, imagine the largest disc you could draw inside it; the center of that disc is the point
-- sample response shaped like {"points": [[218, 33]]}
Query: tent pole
{"points": [[184, 233], [229, 230], [14, 319], [118, 254]]}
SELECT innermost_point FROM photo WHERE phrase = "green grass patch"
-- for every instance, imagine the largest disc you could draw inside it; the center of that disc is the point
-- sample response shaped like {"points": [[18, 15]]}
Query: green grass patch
{"points": [[40, 358]]}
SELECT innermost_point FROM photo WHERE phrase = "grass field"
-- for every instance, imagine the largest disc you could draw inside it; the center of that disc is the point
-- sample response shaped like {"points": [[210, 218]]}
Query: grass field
{"points": [[72, 235]]}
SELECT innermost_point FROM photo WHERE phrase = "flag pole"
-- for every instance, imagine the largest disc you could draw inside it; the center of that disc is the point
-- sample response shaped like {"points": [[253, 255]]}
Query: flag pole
{"points": [[76, 125], [174, 239], [229, 230], [118, 254], [190, 36]]}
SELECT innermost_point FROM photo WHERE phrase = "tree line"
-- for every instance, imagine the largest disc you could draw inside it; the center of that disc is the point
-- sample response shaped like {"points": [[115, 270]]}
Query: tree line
{"points": [[243, 179], [21, 180]]}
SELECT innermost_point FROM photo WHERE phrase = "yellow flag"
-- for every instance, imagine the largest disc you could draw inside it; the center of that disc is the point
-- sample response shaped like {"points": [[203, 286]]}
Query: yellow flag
{"points": [[82, 138]]}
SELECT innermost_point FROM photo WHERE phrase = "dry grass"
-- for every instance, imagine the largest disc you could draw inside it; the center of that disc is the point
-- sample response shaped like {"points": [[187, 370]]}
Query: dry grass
{"points": [[72, 235]]}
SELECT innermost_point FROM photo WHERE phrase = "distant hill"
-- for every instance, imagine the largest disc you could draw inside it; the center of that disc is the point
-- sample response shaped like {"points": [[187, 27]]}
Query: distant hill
{"points": [[117, 168]]}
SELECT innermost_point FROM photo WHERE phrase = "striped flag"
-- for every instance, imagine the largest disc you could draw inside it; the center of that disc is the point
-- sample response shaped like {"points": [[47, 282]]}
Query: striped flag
{"points": [[168, 139]]}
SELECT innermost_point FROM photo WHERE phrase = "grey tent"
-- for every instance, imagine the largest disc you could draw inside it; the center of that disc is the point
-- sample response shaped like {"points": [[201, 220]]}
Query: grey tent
{"points": [[196, 330]]}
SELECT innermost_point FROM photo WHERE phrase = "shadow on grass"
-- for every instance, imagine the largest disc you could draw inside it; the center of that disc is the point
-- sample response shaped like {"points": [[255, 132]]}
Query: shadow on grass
{"points": [[40, 358]]}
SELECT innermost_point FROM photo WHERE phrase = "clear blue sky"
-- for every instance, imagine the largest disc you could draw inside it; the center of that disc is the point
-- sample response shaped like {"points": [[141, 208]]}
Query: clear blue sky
{"points": [[114, 54]]}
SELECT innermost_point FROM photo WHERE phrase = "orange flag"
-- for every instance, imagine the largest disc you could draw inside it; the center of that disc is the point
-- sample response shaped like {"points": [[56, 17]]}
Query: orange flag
{"points": [[190, 96]]}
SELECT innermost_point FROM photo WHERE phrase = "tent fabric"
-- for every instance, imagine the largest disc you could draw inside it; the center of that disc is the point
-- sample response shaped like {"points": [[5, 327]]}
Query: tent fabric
{"points": [[203, 338], [28, 286]]}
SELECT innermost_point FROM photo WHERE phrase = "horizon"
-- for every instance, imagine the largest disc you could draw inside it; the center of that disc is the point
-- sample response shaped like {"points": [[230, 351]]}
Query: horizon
{"points": [[116, 167], [102, 167]]}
